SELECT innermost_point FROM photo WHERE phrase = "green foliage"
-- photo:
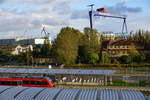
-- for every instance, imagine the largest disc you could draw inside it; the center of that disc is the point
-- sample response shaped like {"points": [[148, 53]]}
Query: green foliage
{"points": [[118, 83], [43, 52], [90, 43], [93, 58], [91, 39], [123, 83], [126, 59], [4, 56], [143, 37], [133, 51], [37, 51], [21, 59], [105, 59], [29, 56], [147, 40], [66, 47], [139, 59], [144, 83], [135, 55], [116, 61], [46, 49]]}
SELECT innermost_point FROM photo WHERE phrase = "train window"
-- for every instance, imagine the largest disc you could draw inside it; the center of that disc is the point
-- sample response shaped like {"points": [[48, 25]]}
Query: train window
{"points": [[32, 82], [14, 83], [26, 82], [5, 83], [36, 82], [42, 83]]}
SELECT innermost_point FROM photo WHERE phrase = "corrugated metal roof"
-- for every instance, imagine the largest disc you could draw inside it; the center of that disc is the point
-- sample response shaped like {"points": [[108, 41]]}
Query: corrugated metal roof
{"points": [[56, 71], [148, 98], [33, 93]]}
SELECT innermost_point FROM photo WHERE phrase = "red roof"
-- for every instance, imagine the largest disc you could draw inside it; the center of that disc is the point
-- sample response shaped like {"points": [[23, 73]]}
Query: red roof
{"points": [[124, 42]]}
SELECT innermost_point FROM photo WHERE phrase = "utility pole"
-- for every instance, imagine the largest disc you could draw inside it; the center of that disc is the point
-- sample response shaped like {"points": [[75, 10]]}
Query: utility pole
{"points": [[91, 15]]}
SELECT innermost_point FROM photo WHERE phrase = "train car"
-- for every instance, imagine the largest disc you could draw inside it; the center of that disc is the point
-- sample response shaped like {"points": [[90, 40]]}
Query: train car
{"points": [[28, 82]]}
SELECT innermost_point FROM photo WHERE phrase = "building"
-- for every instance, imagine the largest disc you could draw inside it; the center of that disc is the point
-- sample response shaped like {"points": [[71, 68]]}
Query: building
{"points": [[16, 46], [118, 48], [32, 41], [42, 60], [108, 36], [15, 49], [23, 41], [7, 41]]}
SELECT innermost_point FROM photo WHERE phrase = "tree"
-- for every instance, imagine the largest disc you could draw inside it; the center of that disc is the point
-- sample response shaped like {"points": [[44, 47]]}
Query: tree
{"points": [[126, 59], [89, 44], [133, 51], [135, 55], [66, 45], [147, 40], [29, 57], [105, 59], [21, 58], [143, 37], [46, 49], [93, 58], [4, 56], [91, 39]]}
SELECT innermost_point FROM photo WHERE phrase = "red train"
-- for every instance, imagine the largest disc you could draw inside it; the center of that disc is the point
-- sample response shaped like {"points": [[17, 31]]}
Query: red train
{"points": [[28, 82]]}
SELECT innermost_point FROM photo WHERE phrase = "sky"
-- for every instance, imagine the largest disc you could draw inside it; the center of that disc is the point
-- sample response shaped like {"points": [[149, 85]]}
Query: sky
{"points": [[25, 18]]}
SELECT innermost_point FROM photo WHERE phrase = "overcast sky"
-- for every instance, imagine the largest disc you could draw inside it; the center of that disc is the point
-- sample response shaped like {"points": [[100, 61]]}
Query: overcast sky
{"points": [[25, 18]]}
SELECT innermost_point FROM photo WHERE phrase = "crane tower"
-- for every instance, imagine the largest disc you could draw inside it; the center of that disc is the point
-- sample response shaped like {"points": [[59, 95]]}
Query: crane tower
{"points": [[105, 13]]}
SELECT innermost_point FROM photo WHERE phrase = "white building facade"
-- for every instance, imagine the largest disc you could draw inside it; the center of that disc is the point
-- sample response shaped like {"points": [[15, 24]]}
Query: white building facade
{"points": [[24, 41]]}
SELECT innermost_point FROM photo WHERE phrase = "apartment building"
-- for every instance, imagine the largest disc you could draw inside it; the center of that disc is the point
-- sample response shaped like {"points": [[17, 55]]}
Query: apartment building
{"points": [[118, 48]]}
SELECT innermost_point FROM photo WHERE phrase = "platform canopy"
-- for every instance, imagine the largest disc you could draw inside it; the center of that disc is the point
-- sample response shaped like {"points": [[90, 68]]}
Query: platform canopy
{"points": [[56, 71], [32, 93]]}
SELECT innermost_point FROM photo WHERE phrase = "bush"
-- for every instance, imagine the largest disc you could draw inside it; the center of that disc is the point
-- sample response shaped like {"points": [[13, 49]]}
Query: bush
{"points": [[126, 59], [93, 58]]}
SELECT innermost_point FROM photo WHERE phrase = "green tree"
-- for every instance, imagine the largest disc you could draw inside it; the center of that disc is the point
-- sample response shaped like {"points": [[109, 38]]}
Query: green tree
{"points": [[46, 49], [21, 58], [91, 38], [66, 45], [4, 56], [126, 59], [135, 55], [29, 57], [36, 51], [105, 59], [147, 40], [93, 58], [133, 51], [144, 38], [89, 44]]}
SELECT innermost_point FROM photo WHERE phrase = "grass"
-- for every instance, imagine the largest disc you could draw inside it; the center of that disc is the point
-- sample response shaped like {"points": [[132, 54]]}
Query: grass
{"points": [[108, 66]]}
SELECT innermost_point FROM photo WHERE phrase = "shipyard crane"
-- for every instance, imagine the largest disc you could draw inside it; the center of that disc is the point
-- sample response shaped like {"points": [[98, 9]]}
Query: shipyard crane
{"points": [[45, 32], [104, 13], [91, 15]]}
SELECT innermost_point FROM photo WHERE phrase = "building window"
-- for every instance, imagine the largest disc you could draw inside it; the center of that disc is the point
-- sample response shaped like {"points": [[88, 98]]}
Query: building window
{"points": [[125, 46], [113, 52], [123, 52]]}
